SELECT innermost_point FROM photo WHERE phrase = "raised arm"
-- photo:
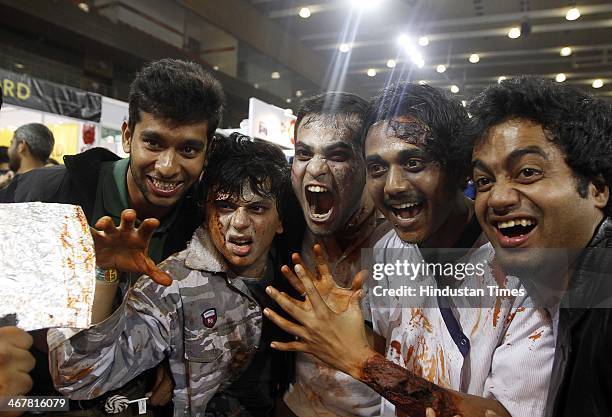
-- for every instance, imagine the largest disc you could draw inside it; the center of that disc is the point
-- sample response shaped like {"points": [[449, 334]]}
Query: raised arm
{"points": [[336, 335], [123, 248]]}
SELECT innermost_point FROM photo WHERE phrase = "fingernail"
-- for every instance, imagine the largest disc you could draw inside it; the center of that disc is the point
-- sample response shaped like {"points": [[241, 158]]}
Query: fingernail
{"points": [[266, 311], [269, 290], [273, 345]]}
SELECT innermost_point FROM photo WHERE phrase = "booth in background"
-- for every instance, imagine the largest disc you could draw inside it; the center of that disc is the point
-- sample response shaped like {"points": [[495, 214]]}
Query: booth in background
{"points": [[78, 119]]}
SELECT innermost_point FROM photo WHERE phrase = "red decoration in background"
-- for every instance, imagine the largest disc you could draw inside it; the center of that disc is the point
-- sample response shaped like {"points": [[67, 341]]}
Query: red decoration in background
{"points": [[89, 134]]}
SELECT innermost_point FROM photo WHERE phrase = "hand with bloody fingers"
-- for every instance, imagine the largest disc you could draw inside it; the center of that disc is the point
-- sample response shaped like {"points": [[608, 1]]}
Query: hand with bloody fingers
{"points": [[330, 318], [126, 247]]}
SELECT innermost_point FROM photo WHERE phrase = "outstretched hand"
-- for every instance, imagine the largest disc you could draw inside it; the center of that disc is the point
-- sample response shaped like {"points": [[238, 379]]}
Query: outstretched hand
{"points": [[330, 316], [126, 247]]}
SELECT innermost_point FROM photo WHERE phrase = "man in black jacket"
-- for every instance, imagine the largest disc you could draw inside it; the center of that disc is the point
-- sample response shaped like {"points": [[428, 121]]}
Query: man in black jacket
{"points": [[543, 172], [174, 109]]}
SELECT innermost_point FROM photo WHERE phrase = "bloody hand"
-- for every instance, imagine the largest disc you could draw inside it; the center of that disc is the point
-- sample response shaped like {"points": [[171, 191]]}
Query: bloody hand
{"points": [[126, 247]]}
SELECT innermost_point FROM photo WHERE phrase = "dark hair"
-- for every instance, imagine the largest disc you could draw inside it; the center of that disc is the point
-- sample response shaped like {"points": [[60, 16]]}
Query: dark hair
{"points": [[38, 138], [578, 123], [445, 119], [4, 158], [336, 110], [237, 160], [177, 90]]}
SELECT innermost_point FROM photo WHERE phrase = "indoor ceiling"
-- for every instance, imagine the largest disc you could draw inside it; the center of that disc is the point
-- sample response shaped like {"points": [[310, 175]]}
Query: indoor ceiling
{"points": [[433, 41]]}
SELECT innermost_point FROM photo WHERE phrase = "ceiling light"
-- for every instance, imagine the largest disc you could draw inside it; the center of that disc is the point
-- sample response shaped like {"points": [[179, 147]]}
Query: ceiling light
{"points": [[403, 39], [216, 68], [423, 41], [371, 72], [391, 63], [572, 14], [514, 33], [304, 13], [365, 4], [299, 93], [474, 58], [441, 68], [344, 47], [288, 100], [560, 77], [84, 6], [275, 75], [454, 89], [418, 60], [598, 83], [566, 51], [500, 79], [422, 82]]}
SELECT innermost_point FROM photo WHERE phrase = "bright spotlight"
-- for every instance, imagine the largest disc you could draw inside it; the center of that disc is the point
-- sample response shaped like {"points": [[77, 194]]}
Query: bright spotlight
{"points": [[441, 68], [500, 79], [304, 13], [366, 4], [572, 14], [344, 47], [566, 51], [275, 75], [403, 40], [598, 83], [514, 33], [454, 89], [422, 82], [474, 58], [371, 72], [391, 63], [560, 77], [423, 41]]}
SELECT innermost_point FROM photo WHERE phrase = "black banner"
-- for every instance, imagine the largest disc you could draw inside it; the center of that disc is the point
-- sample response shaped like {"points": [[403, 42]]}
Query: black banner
{"points": [[25, 91]]}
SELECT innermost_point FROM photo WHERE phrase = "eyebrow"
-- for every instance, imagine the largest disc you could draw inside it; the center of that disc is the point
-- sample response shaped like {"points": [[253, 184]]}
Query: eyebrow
{"points": [[514, 156], [401, 155], [151, 134], [517, 154], [329, 148]]}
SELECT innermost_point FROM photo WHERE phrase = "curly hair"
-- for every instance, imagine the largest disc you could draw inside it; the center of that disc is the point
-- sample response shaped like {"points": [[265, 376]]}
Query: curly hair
{"points": [[445, 119], [177, 90], [578, 123]]}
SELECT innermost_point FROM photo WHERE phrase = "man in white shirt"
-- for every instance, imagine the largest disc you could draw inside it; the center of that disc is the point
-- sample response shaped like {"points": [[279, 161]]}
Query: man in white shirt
{"points": [[467, 355]]}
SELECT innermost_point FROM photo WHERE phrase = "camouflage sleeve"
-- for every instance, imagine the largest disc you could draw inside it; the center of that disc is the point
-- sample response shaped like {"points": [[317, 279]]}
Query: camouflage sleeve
{"points": [[136, 337]]}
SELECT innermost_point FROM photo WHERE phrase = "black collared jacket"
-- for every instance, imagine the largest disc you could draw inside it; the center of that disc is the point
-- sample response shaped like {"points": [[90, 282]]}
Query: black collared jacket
{"points": [[581, 383]]}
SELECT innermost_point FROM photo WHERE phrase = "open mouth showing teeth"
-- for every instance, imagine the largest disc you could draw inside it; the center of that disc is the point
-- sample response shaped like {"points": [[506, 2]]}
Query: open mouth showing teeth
{"points": [[320, 201], [164, 185], [405, 211], [516, 227], [241, 241]]}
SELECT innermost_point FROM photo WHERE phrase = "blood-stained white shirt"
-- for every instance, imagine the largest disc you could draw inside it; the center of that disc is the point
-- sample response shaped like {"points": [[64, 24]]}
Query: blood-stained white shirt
{"points": [[508, 344]]}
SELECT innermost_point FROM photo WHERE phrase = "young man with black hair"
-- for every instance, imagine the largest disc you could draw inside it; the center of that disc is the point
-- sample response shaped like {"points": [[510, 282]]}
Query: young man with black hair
{"points": [[208, 320], [542, 166], [328, 176], [441, 355], [174, 109]]}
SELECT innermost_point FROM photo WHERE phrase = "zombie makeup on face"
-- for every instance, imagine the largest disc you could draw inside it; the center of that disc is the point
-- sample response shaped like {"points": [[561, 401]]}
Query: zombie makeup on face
{"points": [[242, 229], [328, 176]]}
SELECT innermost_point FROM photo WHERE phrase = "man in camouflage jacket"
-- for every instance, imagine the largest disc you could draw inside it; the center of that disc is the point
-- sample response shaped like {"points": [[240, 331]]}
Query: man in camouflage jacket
{"points": [[207, 321]]}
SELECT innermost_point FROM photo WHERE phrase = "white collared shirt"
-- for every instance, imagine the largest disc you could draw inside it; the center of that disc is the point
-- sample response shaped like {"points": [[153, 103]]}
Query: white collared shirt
{"points": [[511, 344]]}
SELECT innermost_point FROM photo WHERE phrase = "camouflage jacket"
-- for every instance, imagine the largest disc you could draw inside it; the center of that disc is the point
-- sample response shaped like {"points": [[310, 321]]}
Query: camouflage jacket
{"points": [[206, 322]]}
